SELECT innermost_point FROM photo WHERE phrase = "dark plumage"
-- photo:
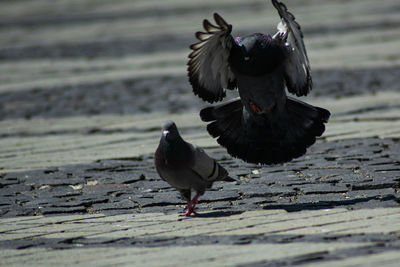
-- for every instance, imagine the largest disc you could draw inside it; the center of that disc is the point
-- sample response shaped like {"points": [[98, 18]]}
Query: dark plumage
{"points": [[185, 166], [263, 125]]}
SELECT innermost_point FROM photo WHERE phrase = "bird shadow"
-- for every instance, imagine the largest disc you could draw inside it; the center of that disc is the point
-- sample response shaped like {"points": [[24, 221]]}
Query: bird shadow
{"points": [[213, 214], [367, 202]]}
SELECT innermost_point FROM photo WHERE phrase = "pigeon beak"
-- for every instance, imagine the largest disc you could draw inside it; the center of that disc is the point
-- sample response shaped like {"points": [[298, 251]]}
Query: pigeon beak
{"points": [[165, 132]]}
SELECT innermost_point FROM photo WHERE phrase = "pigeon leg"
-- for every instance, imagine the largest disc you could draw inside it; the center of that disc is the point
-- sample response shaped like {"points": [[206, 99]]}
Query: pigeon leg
{"points": [[191, 206]]}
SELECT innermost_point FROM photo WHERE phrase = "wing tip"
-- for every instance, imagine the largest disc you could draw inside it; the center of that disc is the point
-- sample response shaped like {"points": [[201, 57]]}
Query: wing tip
{"points": [[202, 36], [221, 22], [278, 5], [209, 27], [283, 10]]}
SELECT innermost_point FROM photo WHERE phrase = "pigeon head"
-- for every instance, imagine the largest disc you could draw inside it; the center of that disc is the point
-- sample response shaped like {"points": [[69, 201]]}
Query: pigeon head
{"points": [[253, 45], [173, 147], [256, 54], [170, 131]]}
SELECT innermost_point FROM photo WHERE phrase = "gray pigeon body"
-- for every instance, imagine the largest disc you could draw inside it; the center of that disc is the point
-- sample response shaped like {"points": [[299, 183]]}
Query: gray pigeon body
{"points": [[186, 167], [263, 125]]}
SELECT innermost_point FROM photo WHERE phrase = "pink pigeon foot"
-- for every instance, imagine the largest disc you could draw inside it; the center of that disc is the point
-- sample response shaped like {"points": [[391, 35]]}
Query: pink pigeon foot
{"points": [[191, 206]]}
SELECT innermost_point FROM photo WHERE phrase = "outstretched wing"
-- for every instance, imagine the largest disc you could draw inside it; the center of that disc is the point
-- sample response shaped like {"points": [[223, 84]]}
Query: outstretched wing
{"points": [[297, 67], [208, 67]]}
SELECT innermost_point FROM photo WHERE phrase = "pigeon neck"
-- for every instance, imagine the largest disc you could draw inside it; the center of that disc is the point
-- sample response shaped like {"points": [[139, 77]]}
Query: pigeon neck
{"points": [[176, 148]]}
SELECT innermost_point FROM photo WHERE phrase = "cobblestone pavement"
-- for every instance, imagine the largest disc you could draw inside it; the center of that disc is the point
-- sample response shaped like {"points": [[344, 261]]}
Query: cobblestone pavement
{"points": [[255, 238], [339, 204], [353, 174], [84, 86]]}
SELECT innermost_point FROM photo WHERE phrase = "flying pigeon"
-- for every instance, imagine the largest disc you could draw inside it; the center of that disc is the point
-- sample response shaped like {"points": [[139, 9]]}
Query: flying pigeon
{"points": [[185, 166], [263, 125]]}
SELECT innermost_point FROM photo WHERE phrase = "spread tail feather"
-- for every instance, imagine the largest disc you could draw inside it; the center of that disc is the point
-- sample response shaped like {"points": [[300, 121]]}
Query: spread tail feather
{"points": [[276, 138]]}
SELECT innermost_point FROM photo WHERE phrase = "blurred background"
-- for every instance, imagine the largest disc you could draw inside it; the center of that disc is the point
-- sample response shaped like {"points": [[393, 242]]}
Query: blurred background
{"points": [[86, 79]]}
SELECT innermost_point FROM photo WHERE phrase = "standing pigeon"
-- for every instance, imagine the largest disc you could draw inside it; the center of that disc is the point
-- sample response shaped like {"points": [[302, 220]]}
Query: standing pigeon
{"points": [[185, 166], [263, 125]]}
